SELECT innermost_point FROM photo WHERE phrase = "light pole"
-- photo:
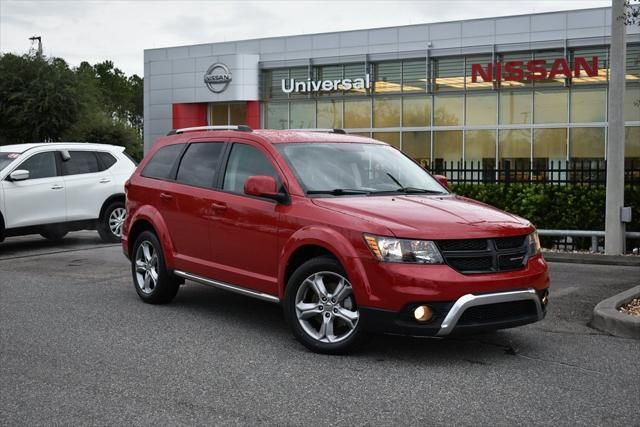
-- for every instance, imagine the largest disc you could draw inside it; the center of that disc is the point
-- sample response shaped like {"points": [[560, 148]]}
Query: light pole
{"points": [[614, 227]]}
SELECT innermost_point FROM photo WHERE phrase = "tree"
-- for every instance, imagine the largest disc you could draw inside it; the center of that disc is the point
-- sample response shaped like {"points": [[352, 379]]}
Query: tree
{"points": [[38, 99]]}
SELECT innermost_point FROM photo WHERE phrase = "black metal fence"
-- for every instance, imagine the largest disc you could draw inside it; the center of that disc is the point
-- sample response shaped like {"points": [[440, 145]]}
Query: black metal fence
{"points": [[588, 172]]}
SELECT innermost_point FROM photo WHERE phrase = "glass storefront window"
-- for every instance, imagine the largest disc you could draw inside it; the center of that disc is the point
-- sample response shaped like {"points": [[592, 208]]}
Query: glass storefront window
{"points": [[219, 114], [355, 71], [632, 144], [514, 152], [550, 106], [388, 77], [237, 114], [550, 56], [588, 54], [480, 155], [417, 145], [515, 107], [483, 61], [357, 113], [299, 75], [449, 74], [303, 115], [273, 83], [586, 143], [632, 69], [391, 138], [328, 72], [520, 57], [386, 112], [480, 145], [631, 98], [277, 115], [414, 75], [549, 145], [447, 146], [448, 110], [588, 105], [481, 109], [416, 111], [330, 114]]}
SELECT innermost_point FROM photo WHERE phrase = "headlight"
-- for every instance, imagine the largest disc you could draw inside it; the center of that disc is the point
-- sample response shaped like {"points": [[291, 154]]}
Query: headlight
{"points": [[533, 244], [390, 249]]}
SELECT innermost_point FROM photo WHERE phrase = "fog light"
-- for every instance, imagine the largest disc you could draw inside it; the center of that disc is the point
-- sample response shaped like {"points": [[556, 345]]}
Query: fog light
{"points": [[423, 313], [545, 298]]}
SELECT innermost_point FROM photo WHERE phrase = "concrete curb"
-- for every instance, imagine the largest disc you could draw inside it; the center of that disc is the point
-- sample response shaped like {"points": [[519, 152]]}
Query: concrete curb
{"points": [[607, 318], [579, 258]]}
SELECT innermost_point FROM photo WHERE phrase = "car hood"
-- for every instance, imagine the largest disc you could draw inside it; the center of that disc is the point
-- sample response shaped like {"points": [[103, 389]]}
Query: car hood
{"points": [[430, 217]]}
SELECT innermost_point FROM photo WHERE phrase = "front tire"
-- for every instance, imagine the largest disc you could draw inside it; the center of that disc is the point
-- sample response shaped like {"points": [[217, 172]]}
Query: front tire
{"points": [[321, 309], [110, 224], [154, 283]]}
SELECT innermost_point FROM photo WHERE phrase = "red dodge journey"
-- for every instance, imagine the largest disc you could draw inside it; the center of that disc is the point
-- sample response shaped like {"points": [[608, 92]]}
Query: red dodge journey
{"points": [[347, 233]]}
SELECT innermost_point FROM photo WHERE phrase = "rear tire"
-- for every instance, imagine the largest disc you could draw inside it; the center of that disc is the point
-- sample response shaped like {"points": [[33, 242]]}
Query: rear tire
{"points": [[110, 224], [153, 282], [321, 309]]}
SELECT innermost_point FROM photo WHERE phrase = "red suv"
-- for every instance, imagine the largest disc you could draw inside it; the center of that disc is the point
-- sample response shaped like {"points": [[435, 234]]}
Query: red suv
{"points": [[346, 232]]}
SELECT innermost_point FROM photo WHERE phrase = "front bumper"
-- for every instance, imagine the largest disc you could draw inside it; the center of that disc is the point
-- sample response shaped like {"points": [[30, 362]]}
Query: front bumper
{"points": [[469, 313]]}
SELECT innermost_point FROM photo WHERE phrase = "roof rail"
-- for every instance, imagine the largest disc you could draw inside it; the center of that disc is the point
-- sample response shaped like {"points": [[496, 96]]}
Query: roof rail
{"points": [[242, 128], [340, 131]]}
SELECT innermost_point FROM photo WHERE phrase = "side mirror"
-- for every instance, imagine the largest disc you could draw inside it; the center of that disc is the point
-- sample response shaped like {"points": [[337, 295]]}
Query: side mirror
{"points": [[264, 186], [19, 175], [442, 180]]}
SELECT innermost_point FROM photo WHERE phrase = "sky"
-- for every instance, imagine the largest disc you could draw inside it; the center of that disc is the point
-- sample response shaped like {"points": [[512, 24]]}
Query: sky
{"points": [[120, 30]]}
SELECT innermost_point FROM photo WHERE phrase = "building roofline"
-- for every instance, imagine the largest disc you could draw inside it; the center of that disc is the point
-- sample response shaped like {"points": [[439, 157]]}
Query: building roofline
{"points": [[385, 28]]}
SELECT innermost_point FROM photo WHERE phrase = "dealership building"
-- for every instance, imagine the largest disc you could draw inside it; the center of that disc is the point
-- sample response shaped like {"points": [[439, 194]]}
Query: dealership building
{"points": [[527, 89]]}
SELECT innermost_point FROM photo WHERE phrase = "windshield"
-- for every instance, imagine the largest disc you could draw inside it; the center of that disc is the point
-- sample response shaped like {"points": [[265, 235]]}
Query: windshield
{"points": [[6, 158], [352, 168]]}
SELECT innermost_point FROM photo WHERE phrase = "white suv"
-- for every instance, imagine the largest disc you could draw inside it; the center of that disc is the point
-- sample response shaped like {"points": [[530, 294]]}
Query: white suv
{"points": [[54, 188]]}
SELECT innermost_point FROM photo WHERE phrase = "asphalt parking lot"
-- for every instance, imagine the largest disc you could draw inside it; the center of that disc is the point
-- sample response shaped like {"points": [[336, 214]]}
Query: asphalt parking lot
{"points": [[78, 347]]}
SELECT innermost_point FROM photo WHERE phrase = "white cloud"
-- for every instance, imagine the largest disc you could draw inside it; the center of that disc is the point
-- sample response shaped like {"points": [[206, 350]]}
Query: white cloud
{"points": [[120, 30]]}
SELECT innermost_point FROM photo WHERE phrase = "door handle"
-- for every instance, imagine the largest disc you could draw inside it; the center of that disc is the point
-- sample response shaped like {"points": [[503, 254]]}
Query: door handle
{"points": [[57, 187], [218, 206], [166, 196], [105, 180]]}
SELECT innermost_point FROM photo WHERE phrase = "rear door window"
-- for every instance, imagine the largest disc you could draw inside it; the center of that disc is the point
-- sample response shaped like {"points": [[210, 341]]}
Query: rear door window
{"points": [[106, 160], [161, 164], [41, 165], [200, 163], [81, 162]]}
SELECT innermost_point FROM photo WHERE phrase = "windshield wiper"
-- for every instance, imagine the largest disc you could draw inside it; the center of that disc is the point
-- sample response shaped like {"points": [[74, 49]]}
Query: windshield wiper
{"points": [[409, 190], [339, 191]]}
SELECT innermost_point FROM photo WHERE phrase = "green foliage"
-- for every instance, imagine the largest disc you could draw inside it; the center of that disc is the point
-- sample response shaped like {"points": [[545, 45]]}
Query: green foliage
{"points": [[38, 99], [558, 207], [44, 100]]}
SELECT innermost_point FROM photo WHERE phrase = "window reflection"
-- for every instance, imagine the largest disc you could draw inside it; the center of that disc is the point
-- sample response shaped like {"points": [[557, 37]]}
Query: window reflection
{"points": [[550, 106], [386, 112], [357, 113], [448, 110], [481, 109], [416, 111], [330, 114], [588, 105], [515, 107], [417, 145]]}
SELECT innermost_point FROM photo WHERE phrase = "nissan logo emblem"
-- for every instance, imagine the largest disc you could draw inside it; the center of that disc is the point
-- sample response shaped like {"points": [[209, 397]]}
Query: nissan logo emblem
{"points": [[217, 78]]}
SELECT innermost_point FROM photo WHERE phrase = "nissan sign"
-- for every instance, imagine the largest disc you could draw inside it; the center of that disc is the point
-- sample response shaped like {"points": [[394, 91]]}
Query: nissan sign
{"points": [[217, 78]]}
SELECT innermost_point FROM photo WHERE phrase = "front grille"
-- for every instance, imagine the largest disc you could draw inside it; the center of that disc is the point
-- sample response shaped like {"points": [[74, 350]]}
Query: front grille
{"points": [[500, 312], [485, 255], [463, 245]]}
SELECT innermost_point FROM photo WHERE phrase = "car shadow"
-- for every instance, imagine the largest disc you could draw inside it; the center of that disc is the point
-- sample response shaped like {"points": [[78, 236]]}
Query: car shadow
{"points": [[35, 244], [268, 320]]}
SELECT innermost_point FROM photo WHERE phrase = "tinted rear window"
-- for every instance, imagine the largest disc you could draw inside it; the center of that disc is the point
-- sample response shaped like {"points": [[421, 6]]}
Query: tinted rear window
{"points": [[106, 159], [81, 162], [200, 163], [161, 164]]}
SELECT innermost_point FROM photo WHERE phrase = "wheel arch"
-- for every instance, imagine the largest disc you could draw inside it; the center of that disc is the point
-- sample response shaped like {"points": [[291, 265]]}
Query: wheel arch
{"points": [[2, 229], [113, 198], [312, 242], [149, 219]]}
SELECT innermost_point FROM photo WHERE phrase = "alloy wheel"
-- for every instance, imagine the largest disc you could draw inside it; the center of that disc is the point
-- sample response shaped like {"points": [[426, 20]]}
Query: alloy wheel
{"points": [[116, 219], [325, 307], [146, 267]]}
